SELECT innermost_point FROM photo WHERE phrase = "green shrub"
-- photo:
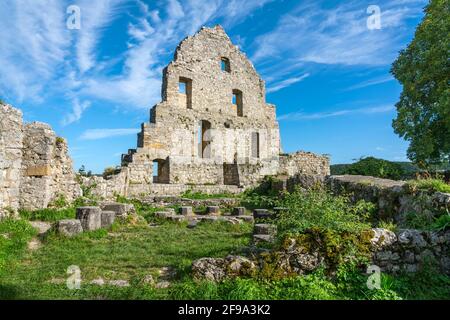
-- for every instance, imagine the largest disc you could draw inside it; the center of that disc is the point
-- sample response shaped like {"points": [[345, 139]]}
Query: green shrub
{"points": [[374, 167], [318, 208], [428, 185]]}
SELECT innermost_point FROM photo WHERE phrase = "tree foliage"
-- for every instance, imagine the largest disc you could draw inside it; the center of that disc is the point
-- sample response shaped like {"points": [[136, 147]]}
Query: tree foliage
{"points": [[423, 69], [374, 167]]}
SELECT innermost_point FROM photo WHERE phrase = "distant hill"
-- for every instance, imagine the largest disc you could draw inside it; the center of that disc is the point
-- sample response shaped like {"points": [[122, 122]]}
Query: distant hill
{"points": [[409, 169]]}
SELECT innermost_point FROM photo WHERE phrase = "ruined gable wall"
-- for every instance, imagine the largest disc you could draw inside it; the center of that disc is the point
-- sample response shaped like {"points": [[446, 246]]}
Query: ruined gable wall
{"points": [[173, 130], [11, 138]]}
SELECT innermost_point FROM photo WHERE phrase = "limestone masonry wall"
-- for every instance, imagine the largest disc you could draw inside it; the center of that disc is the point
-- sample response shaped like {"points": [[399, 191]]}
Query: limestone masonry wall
{"points": [[35, 166], [212, 127]]}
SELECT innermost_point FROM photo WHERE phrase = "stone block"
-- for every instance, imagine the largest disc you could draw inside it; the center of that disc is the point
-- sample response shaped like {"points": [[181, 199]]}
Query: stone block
{"points": [[90, 217], [163, 214], [213, 210], [262, 214], [177, 218], [238, 211], [39, 171], [108, 218], [69, 228], [264, 228], [263, 238], [246, 218], [187, 211], [121, 209]]}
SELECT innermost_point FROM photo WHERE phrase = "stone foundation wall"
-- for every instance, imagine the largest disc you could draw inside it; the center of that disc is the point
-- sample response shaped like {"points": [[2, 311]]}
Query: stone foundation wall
{"points": [[408, 250], [304, 163], [34, 162], [404, 251], [394, 200]]}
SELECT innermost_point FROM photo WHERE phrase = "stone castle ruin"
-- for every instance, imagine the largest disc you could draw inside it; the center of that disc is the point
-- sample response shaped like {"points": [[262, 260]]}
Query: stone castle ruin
{"points": [[213, 131], [35, 168]]}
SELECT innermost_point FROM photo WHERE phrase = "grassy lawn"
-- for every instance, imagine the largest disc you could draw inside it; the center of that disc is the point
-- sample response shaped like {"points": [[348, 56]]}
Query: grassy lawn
{"points": [[124, 253]]}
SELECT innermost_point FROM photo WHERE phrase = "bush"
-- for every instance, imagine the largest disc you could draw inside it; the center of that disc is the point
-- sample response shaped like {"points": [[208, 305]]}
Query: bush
{"points": [[428, 185], [110, 171], [318, 208], [374, 167]]}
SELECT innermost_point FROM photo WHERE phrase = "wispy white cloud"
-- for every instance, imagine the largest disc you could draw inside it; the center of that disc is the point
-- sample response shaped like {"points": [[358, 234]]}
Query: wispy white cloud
{"points": [[97, 134], [286, 83], [95, 15], [77, 111], [300, 115], [312, 33], [370, 82], [152, 37]]}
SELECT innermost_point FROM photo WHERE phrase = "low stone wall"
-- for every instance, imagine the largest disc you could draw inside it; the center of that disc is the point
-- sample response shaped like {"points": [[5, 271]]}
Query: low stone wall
{"points": [[117, 185], [304, 163], [406, 250], [393, 199]]}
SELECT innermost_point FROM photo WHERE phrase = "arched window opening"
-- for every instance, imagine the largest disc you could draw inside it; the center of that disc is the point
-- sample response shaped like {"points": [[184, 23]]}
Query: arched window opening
{"points": [[237, 100]]}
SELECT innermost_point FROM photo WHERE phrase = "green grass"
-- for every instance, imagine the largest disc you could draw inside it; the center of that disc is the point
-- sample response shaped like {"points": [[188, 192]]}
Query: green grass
{"points": [[189, 194], [48, 214], [126, 253], [132, 252], [14, 235]]}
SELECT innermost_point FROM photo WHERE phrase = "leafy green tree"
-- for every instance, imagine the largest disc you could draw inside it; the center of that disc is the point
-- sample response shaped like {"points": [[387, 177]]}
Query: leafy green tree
{"points": [[423, 69], [374, 167]]}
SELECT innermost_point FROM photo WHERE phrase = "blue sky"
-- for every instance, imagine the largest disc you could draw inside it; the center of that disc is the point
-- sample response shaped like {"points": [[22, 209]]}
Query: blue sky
{"points": [[326, 71]]}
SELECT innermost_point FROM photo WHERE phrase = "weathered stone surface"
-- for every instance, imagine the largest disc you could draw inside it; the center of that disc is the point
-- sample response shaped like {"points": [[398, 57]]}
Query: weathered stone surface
{"points": [[263, 238], [246, 218], [230, 104], [262, 214], [35, 168], [177, 218], [107, 219], [119, 283], [121, 209], [163, 214], [90, 217], [394, 200], [214, 210], [383, 238], [217, 269], [41, 226], [187, 211], [238, 211], [69, 228], [264, 228]]}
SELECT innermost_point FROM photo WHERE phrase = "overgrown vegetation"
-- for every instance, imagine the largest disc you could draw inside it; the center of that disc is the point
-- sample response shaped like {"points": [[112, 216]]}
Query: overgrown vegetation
{"points": [[319, 208], [428, 185]]}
